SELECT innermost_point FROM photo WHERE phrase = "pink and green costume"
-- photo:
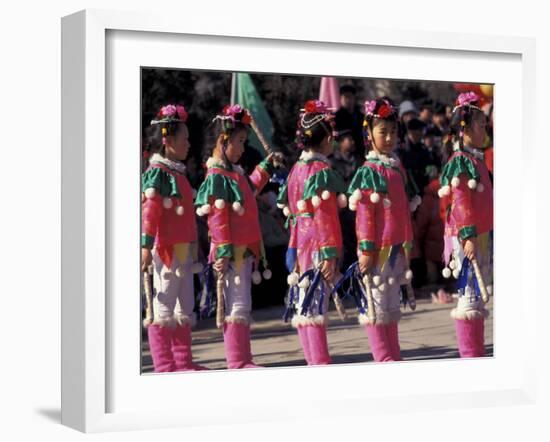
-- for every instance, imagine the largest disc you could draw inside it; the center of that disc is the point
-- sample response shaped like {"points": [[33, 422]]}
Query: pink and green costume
{"points": [[310, 199], [383, 199], [169, 229], [228, 198], [468, 194]]}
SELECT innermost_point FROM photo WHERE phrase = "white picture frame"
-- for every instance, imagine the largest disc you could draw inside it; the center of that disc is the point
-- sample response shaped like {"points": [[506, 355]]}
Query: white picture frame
{"points": [[87, 214]]}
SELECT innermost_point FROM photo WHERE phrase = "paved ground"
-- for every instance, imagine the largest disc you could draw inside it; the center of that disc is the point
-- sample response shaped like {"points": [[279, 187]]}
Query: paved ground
{"points": [[427, 333]]}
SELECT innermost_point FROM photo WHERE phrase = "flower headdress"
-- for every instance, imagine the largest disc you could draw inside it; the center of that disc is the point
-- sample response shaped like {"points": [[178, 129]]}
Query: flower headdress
{"points": [[231, 116], [381, 108], [465, 104], [167, 115], [314, 112]]}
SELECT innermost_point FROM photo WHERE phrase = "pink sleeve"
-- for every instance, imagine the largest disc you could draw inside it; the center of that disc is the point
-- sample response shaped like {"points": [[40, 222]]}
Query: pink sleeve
{"points": [[365, 222], [462, 209], [220, 231], [151, 212], [328, 228], [259, 178]]}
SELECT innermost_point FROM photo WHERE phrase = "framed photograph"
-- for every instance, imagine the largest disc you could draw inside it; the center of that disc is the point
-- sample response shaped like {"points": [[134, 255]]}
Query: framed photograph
{"points": [[111, 64]]}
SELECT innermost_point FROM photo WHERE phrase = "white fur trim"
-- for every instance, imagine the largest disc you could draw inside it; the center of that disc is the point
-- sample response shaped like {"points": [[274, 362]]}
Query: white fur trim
{"points": [[215, 162], [446, 272], [219, 203], [472, 184], [342, 201], [286, 211], [147, 322], [301, 205], [455, 182], [256, 277], [310, 155], [169, 322], [387, 159], [237, 320], [301, 320], [180, 210], [374, 197], [325, 195], [292, 279], [381, 317], [197, 267], [387, 203], [236, 206], [177, 166], [468, 315], [185, 320], [315, 201], [150, 192], [267, 274]]}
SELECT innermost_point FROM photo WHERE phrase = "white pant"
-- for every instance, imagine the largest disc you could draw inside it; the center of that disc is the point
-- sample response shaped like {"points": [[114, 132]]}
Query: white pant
{"points": [[315, 314], [238, 297], [174, 297]]}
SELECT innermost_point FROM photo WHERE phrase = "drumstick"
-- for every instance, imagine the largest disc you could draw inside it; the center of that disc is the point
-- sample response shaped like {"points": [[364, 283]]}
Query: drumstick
{"points": [[371, 314], [480, 282], [220, 313], [148, 297], [259, 134]]}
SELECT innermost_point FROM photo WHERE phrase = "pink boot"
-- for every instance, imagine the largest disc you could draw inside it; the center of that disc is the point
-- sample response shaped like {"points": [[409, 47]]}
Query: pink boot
{"points": [[304, 341], [480, 333], [393, 340], [379, 342], [161, 348], [318, 346], [236, 338], [181, 349], [467, 334]]}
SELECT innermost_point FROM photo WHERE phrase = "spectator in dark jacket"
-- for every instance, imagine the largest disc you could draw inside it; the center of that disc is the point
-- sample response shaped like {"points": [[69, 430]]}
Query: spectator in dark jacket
{"points": [[350, 117]]}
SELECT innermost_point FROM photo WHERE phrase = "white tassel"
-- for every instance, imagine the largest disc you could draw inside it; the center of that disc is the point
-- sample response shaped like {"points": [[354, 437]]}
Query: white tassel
{"points": [[267, 274], [315, 201], [286, 211], [167, 203], [237, 206], [256, 277], [219, 203], [455, 182], [180, 210], [197, 267], [374, 197], [342, 201], [446, 272], [376, 280], [292, 279], [150, 192], [301, 205], [480, 187], [472, 184], [325, 195]]}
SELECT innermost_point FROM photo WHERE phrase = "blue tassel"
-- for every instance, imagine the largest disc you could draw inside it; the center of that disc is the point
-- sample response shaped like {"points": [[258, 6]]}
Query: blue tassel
{"points": [[467, 272], [291, 255], [310, 292], [393, 255], [290, 308]]}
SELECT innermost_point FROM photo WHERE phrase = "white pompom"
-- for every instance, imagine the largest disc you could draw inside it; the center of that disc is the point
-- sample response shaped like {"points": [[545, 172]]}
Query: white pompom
{"points": [[480, 187], [241, 211], [301, 205], [382, 287], [446, 272], [455, 182], [206, 209], [256, 277], [357, 195], [325, 195], [342, 201], [267, 274], [444, 191], [391, 280], [374, 197], [452, 264], [409, 275], [304, 283], [237, 206], [150, 192], [167, 203], [387, 203], [180, 210], [472, 184], [179, 272], [376, 280], [292, 279], [197, 267], [280, 206], [199, 212], [315, 201], [352, 205], [237, 280], [456, 273], [490, 289], [219, 203], [286, 211]]}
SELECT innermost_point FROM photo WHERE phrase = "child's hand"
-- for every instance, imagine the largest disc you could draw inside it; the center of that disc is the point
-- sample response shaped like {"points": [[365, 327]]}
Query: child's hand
{"points": [[328, 269], [146, 259], [221, 265], [470, 248], [366, 261], [276, 158]]}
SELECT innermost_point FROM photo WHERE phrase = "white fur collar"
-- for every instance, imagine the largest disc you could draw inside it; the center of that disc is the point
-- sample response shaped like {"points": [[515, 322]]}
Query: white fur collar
{"points": [[311, 155], [391, 160], [216, 162], [478, 153], [177, 166]]}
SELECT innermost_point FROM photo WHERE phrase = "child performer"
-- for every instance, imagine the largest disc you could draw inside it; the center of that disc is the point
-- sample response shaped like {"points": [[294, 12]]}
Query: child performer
{"points": [[168, 242], [310, 201], [228, 197], [380, 194], [468, 193]]}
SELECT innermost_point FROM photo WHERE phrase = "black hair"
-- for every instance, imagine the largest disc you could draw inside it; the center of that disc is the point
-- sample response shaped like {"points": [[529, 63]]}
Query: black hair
{"points": [[312, 137], [347, 88], [370, 120], [213, 131], [155, 136]]}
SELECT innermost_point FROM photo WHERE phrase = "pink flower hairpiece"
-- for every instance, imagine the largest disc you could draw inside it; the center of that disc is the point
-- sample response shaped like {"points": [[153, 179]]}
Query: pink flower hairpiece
{"points": [[316, 107], [171, 114], [384, 111], [467, 98]]}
